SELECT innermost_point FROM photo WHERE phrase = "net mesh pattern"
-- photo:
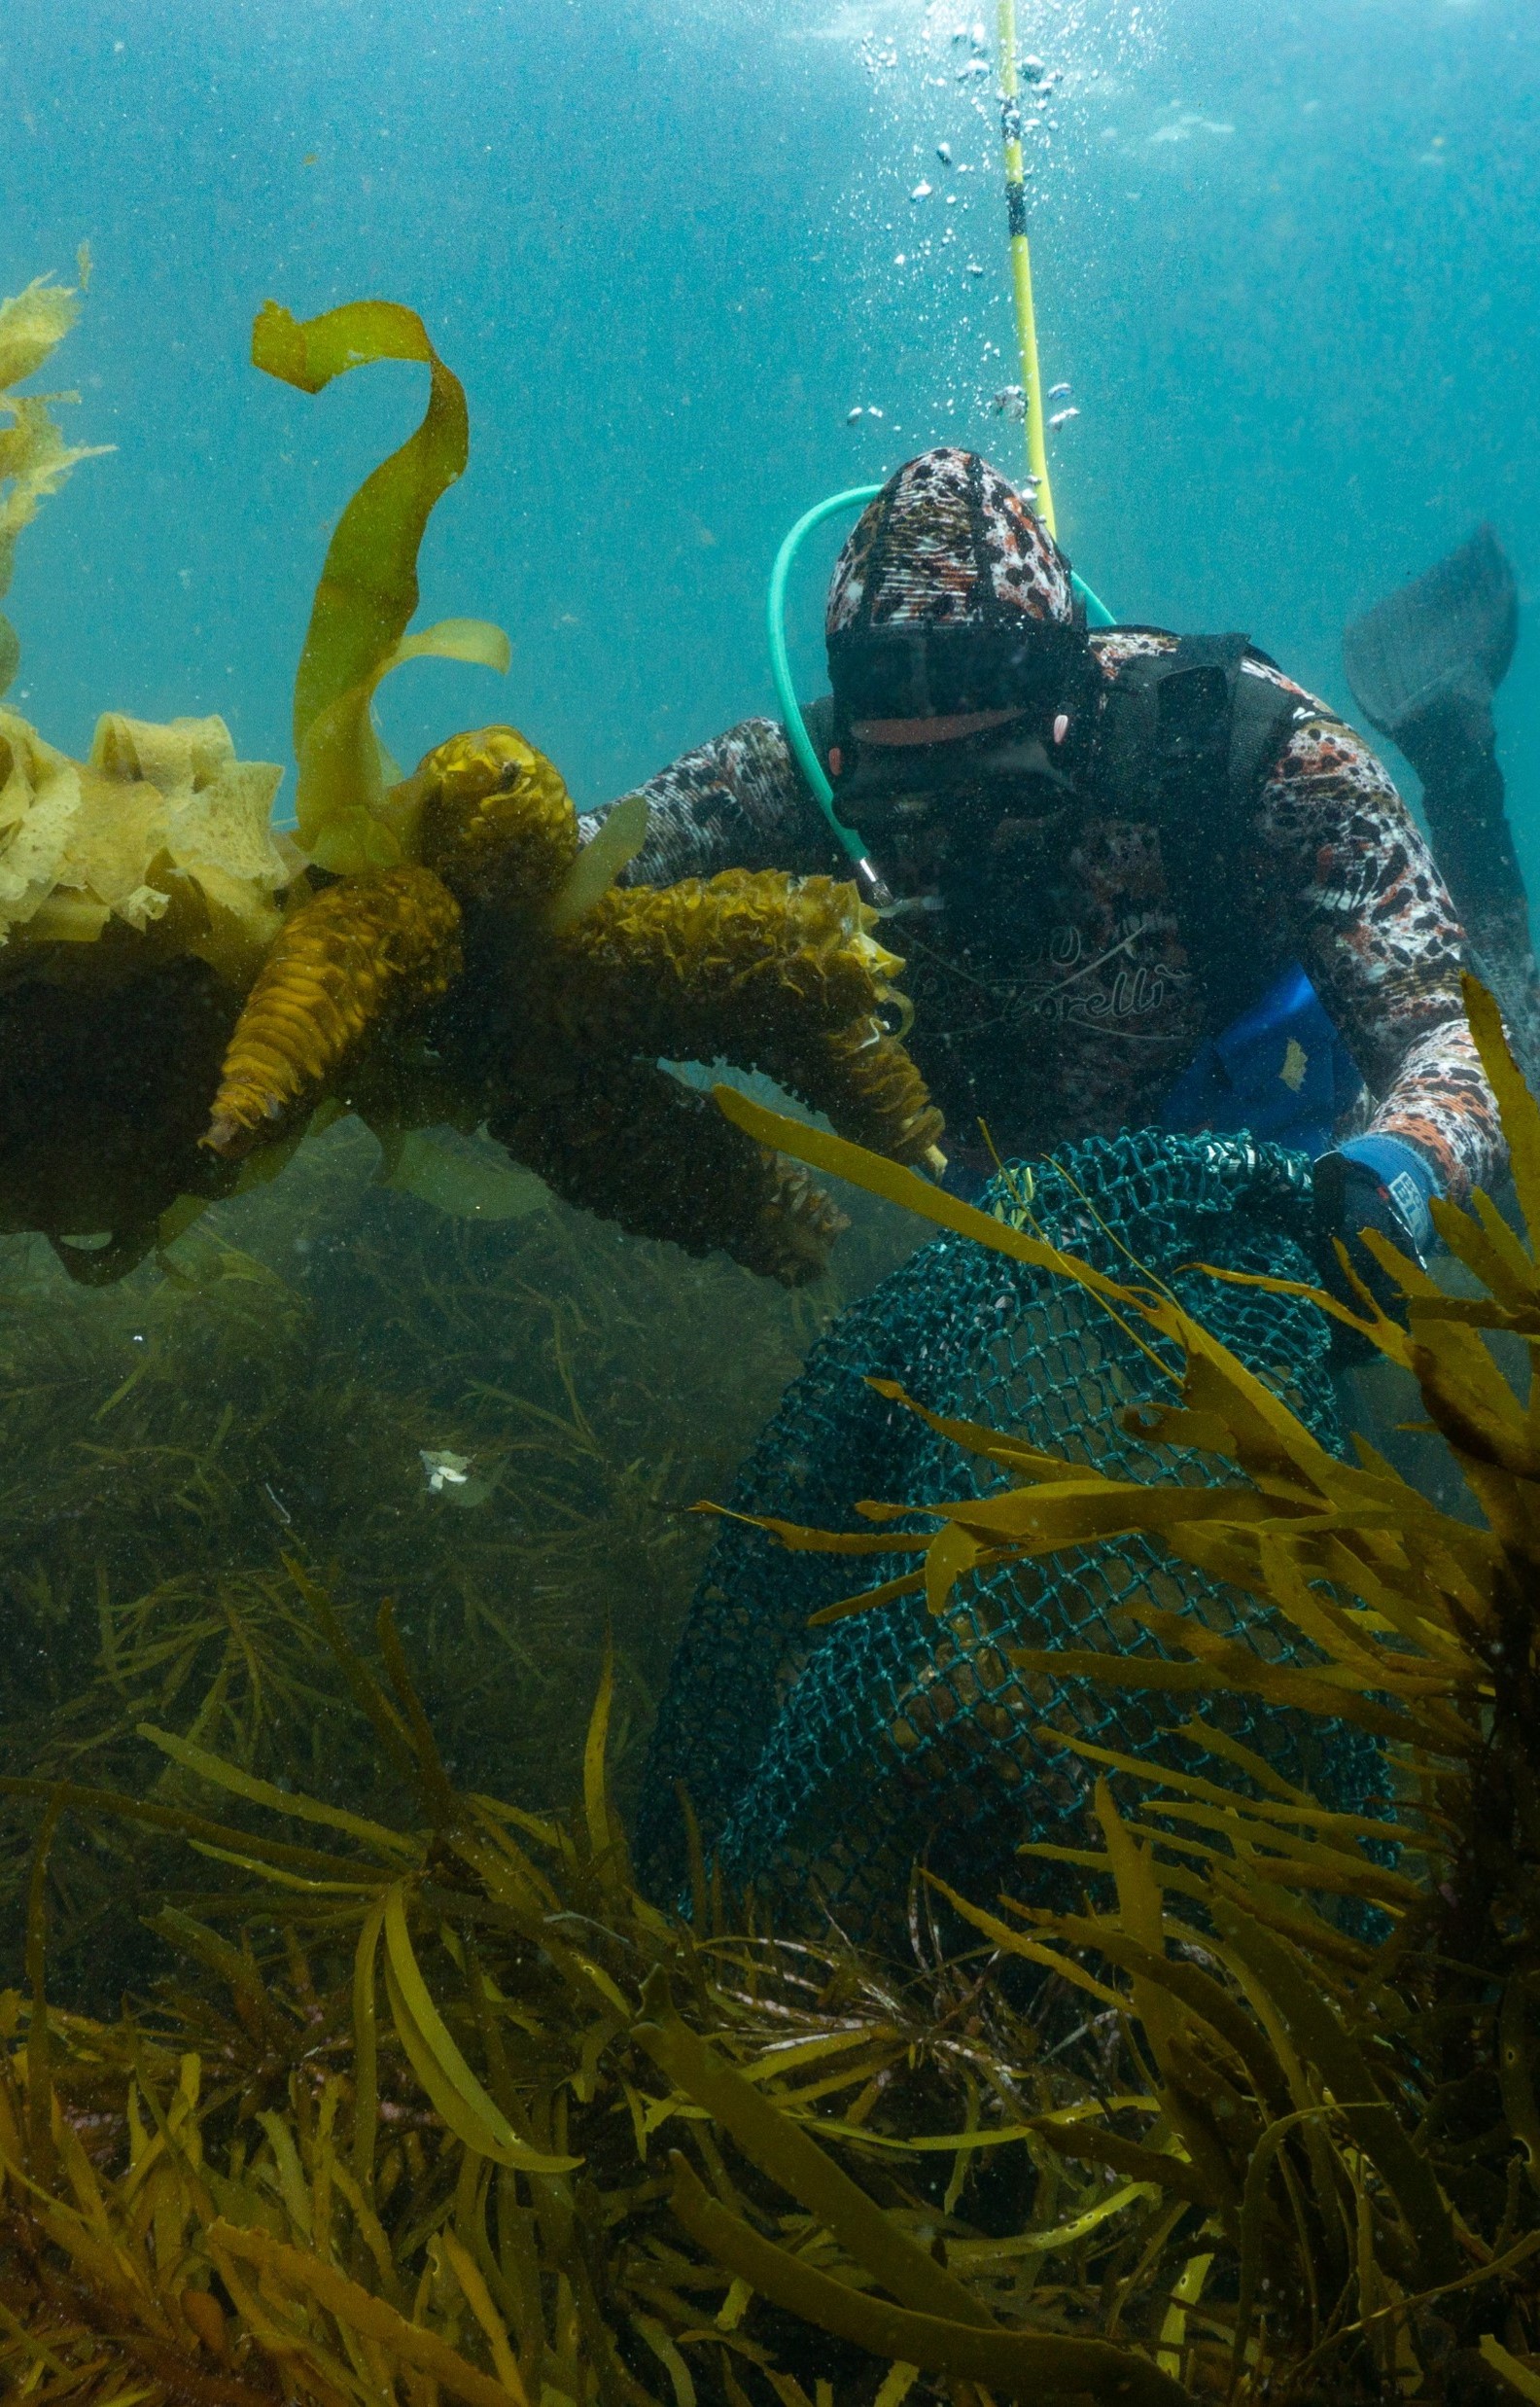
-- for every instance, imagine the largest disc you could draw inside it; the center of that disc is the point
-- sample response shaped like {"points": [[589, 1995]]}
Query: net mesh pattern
{"points": [[822, 1765]]}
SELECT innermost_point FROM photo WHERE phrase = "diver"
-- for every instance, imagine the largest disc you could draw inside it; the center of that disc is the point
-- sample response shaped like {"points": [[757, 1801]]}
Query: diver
{"points": [[1140, 879]]}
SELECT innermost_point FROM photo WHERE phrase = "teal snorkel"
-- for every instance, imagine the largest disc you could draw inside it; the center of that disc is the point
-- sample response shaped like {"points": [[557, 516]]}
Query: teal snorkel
{"points": [[868, 876]]}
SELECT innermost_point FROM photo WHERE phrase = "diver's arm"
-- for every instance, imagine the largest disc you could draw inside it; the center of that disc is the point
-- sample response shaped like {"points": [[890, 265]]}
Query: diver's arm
{"points": [[1373, 923], [738, 802]]}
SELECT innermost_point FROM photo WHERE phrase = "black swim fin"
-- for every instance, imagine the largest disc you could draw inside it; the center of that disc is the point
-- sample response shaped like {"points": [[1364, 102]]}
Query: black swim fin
{"points": [[1424, 665], [1449, 636]]}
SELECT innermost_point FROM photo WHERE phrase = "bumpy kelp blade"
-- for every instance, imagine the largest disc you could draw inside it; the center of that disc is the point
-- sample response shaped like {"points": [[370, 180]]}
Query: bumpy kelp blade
{"points": [[369, 588]]}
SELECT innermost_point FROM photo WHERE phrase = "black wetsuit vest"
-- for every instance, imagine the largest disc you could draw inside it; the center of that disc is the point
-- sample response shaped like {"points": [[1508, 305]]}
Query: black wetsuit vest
{"points": [[1184, 742]]}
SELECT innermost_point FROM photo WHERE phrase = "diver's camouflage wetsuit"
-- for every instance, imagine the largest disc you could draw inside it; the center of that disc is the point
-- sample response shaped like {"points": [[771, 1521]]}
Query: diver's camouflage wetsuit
{"points": [[1057, 993]]}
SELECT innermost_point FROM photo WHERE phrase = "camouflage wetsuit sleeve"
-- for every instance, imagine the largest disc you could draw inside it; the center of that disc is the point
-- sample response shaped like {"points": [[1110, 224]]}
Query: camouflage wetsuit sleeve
{"points": [[1372, 921], [738, 802]]}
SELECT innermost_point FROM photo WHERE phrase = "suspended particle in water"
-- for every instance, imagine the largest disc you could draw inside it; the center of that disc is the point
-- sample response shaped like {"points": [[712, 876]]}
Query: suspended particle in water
{"points": [[921, 191], [973, 268], [1059, 392], [944, 153], [872, 412], [1062, 417], [851, 416]]}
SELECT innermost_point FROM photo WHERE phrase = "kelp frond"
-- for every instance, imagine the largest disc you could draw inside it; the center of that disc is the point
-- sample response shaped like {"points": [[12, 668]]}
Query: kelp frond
{"points": [[34, 457], [367, 590]]}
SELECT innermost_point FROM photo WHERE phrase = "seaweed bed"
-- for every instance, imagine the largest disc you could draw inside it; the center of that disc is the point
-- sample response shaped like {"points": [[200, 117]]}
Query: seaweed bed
{"points": [[428, 2101], [269, 1385]]}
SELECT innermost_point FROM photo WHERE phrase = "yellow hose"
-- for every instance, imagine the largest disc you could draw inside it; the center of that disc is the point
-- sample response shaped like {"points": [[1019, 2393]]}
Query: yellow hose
{"points": [[1021, 267]]}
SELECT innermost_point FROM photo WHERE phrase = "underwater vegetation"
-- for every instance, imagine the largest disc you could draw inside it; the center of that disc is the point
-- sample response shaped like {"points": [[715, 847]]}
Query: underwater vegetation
{"points": [[436, 2105], [185, 992], [34, 457], [282, 1379]]}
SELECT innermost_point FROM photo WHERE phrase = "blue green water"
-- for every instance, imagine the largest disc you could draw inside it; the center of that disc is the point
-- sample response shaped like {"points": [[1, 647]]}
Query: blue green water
{"points": [[1285, 253]]}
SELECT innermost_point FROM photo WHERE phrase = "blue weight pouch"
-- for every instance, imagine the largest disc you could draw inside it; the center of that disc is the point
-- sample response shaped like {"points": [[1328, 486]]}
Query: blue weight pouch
{"points": [[1280, 1070]]}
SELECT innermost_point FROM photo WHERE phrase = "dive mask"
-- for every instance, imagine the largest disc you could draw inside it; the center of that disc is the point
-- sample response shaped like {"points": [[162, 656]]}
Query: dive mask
{"points": [[929, 670], [916, 673]]}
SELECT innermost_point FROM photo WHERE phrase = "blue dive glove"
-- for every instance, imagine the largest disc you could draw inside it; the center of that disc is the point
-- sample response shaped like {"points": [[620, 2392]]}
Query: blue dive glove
{"points": [[1378, 1183]]}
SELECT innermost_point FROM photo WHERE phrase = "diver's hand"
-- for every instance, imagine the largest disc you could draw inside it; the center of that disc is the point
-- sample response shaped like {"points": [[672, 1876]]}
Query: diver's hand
{"points": [[1382, 1183]]}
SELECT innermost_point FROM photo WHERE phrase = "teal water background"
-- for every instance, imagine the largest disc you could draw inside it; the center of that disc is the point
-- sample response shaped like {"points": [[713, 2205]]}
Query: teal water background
{"points": [[1286, 255]]}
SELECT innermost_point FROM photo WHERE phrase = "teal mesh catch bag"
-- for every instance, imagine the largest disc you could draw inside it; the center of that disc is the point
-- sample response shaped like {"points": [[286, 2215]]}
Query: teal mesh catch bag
{"points": [[822, 1765]]}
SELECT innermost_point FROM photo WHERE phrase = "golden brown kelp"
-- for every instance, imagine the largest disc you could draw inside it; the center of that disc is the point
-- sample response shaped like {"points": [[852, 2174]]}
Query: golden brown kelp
{"points": [[152, 925], [569, 994], [790, 978], [1355, 2117], [563, 993], [648, 1152], [493, 818], [346, 964]]}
